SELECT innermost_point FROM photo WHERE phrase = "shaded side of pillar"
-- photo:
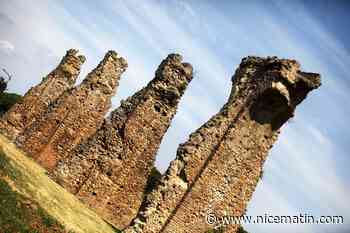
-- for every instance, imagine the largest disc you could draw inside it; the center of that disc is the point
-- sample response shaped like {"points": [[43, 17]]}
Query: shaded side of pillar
{"points": [[216, 171], [36, 101], [110, 171], [76, 115]]}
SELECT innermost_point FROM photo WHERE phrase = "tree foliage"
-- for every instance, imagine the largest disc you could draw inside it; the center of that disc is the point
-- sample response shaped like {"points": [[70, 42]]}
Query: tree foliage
{"points": [[7, 100]]}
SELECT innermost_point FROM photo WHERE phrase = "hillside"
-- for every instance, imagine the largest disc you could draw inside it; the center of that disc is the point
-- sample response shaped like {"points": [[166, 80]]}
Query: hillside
{"points": [[31, 202]]}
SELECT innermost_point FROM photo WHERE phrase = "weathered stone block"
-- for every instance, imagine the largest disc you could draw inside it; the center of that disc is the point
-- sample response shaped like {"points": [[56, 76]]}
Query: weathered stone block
{"points": [[123, 150], [75, 116], [218, 168], [37, 100]]}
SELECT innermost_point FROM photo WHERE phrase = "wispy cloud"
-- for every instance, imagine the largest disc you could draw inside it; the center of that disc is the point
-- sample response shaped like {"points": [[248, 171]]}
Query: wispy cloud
{"points": [[307, 169], [6, 46]]}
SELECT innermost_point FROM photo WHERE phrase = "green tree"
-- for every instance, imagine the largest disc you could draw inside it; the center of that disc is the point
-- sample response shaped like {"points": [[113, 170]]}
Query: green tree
{"points": [[7, 100]]}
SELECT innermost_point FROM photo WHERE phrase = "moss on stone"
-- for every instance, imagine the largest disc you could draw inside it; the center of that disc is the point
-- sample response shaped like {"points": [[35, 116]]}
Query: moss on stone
{"points": [[218, 230], [241, 230]]}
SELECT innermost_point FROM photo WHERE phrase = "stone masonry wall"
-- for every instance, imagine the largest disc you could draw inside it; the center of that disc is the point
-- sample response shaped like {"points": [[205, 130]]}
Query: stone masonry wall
{"points": [[76, 115], [216, 171], [110, 171], [36, 101]]}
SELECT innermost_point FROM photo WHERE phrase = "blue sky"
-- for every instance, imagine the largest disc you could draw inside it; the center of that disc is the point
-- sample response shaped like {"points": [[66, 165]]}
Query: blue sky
{"points": [[307, 170]]}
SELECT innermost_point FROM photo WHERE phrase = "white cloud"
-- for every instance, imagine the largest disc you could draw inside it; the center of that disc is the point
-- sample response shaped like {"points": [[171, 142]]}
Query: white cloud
{"points": [[303, 162], [270, 201], [300, 177], [6, 46]]}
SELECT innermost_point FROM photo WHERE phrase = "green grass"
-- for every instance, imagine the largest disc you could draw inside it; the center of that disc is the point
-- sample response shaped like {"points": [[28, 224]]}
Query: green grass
{"points": [[31, 202], [11, 217]]}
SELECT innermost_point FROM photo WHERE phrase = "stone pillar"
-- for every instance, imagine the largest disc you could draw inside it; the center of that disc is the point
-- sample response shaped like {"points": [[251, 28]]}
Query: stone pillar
{"points": [[216, 171], [36, 101], [76, 115], [110, 171]]}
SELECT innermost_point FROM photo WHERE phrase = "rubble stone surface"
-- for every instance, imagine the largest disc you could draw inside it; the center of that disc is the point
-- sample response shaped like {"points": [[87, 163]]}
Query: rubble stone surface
{"points": [[37, 100], [109, 172], [216, 171], [75, 116]]}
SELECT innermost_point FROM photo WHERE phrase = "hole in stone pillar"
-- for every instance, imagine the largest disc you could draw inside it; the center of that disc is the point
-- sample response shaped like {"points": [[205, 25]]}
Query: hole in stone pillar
{"points": [[272, 108], [94, 193], [157, 107]]}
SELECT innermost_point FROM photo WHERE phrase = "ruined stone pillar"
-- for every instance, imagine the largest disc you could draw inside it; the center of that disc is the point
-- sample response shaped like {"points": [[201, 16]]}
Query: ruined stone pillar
{"points": [[76, 115], [216, 171], [110, 171], [36, 101]]}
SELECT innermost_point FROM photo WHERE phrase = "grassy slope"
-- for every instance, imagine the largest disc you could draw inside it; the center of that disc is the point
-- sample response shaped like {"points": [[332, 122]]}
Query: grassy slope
{"points": [[31, 202]]}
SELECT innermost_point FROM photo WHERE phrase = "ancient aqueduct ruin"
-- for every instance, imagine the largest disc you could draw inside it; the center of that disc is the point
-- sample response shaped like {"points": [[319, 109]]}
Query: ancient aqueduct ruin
{"points": [[106, 162]]}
